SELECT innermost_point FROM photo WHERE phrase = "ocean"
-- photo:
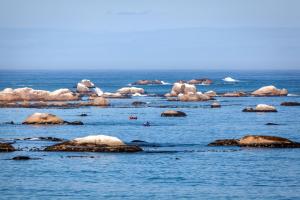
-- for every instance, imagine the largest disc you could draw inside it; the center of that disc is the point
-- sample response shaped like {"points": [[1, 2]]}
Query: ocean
{"points": [[178, 164]]}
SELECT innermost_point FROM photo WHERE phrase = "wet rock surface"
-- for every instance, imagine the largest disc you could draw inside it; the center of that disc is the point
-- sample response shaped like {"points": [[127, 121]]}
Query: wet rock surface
{"points": [[257, 141], [5, 147], [289, 103], [173, 113], [147, 82]]}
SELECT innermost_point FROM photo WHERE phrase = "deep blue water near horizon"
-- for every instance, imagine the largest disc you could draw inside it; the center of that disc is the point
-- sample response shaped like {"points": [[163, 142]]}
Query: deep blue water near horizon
{"points": [[181, 167]]}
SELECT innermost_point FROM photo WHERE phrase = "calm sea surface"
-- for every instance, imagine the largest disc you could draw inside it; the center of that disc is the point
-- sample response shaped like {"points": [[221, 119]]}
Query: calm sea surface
{"points": [[182, 166]]}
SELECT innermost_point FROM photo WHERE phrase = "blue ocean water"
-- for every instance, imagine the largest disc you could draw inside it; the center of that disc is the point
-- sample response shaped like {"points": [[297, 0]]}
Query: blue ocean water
{"points": [[182, 166]]}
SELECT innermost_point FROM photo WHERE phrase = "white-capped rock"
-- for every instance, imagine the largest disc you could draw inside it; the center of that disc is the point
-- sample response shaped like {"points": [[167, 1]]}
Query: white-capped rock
{"points": [[270, 91]]}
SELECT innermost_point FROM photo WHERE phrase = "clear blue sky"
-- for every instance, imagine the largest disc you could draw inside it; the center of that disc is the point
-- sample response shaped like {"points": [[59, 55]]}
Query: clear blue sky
{"points": [[150, 34]]}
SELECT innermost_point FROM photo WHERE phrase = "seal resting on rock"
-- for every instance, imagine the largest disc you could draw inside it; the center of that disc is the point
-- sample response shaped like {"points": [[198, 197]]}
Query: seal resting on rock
{"points": [[94, 143], [5, 147], [257, 141], [173, 113], [270, 91], [261, 108]]}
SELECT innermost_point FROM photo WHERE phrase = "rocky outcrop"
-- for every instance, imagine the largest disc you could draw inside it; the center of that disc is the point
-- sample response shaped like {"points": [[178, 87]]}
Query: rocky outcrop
{"points": [[87, 83], [290, 104], [261, 108], [173, 113], [211, 93], [187, 92], [94, 143], [131, 91], [147, 82], [81, 88], [43, 118], [270, 91], [203, 81], [29, 94], [46, 118], [5, 147], [258, 141], [234, 94], [100, 101]]}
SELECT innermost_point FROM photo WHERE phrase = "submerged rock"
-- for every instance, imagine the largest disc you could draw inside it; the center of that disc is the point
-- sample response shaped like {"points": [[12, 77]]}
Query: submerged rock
{"points": [[173, 113], [21, 158], [147, 82], [5, 147], [271, 124], [138, 103], [94, 143], [290, 104], [29, 94], [258, 141], [270, 91], [261, 108]]}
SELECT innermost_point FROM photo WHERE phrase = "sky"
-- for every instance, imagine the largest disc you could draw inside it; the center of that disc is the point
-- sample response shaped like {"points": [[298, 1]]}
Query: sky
{"points": [[150, 34]]}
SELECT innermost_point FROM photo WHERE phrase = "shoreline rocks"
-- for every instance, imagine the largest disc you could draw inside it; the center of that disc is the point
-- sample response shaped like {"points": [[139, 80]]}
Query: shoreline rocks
{"points": [[261, 108], [269, 91], [173, 113], [94, 143], [29, 94], [5, 147], [290, 104], [202, 81], [259, 141]]}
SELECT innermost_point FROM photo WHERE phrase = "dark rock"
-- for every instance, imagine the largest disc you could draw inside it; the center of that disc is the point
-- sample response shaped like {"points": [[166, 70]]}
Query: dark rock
{"points": [[138, 141], [74, 123], [225, 142], [74, 147], [11, 122], [138, 103], [259, 141], [52, 139], [173, 113], [5, 147], [271, 124], [290, 104], [83, 115], [21, 158]]}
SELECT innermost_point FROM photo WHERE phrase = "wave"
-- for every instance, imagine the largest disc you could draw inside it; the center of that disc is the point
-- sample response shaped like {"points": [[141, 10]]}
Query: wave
{"points": [[165, 83], [293, 95], [229, 79]]}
